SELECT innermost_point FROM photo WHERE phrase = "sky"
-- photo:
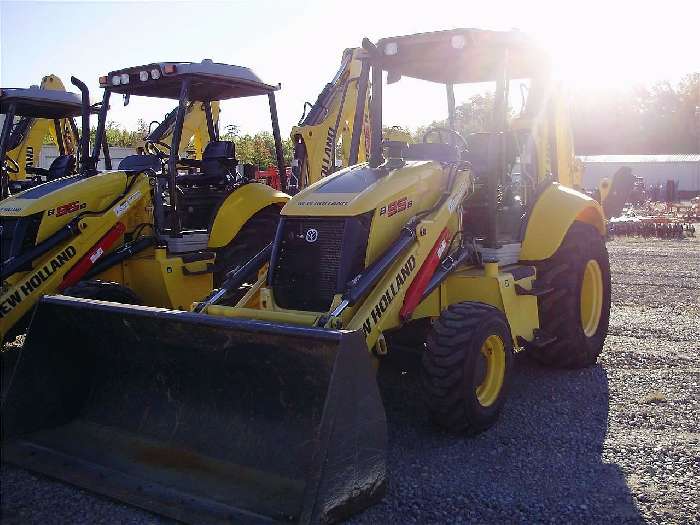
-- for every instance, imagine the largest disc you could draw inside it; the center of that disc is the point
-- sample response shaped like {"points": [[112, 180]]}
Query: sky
{"points": [[597, 44]]}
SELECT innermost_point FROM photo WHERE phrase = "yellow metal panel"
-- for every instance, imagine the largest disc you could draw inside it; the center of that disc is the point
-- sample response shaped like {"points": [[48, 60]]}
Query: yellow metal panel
{"points": [[280, 316], [552, 216], [61, 206], [499, 291], [419, 181], [160, 280], [239, 207], [49, 270], [428, 307]]}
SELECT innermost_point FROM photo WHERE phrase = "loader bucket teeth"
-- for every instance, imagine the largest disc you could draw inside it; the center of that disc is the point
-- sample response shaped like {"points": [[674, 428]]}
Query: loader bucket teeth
{"points": [[204, 419]]}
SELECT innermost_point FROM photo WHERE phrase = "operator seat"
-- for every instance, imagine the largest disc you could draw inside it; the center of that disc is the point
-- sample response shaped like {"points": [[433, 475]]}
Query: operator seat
{"points": [[141, 163], [218, 165], [480, 152], [62, 166]]}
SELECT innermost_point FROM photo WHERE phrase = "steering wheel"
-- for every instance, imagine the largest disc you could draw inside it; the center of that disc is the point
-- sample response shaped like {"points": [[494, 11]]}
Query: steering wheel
{"points": [[151, 148], [436, 130], [11, 165]]}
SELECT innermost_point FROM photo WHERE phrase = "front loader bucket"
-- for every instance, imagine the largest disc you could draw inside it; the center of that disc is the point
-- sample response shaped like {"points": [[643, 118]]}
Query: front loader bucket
{"points": [[200, 418]]}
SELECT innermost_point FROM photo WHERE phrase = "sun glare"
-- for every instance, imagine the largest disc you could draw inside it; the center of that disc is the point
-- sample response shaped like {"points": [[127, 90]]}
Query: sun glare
{"points": [[621, 48]]}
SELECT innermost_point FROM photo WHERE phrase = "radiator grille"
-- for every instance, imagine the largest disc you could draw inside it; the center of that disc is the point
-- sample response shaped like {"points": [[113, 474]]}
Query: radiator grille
{"points": [[306, 271]]}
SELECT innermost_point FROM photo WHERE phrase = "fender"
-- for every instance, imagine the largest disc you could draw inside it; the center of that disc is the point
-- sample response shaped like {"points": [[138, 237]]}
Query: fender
{"points": [[240, 206], [552, 215]]}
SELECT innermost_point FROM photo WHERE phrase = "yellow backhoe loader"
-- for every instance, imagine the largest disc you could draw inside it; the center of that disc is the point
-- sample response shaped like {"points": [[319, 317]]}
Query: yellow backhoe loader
{"points": [[267, 406], [26, 138], [160, 230]]}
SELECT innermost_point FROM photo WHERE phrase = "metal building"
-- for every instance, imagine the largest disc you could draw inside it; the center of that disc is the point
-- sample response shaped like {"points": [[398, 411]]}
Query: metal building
{"points": [[50, 152], [655, 169]]}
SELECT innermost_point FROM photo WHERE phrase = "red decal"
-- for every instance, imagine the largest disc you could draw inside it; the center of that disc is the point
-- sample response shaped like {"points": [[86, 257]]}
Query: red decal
{"points": [[415, 291], [90, 258], [395, 207], [67, 208]]}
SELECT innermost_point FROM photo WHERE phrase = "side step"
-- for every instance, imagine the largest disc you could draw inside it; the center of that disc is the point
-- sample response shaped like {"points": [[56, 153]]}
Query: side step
{"points": [[537, 292], [541, 340]]}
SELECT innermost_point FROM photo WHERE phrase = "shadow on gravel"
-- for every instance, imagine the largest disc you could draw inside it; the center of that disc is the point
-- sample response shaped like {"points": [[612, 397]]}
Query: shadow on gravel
{"points": [[542, 462]]}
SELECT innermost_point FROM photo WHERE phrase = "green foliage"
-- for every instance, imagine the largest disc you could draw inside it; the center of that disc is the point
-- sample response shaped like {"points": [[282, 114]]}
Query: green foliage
{"points": [[660, 119], [259, 148], [470, 116]]}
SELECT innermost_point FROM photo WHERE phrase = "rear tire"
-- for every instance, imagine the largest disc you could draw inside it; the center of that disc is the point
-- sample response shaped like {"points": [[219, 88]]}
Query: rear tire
{"points": [[466, 367], [255, 234], [577, 311], [103, 291]]}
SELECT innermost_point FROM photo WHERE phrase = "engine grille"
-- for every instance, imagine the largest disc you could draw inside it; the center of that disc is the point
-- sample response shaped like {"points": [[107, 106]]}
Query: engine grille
{"points": [[310, 268]]}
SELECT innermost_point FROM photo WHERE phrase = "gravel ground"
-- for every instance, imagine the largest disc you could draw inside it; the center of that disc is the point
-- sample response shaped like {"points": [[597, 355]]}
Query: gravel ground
{"points": [[615, 443]]}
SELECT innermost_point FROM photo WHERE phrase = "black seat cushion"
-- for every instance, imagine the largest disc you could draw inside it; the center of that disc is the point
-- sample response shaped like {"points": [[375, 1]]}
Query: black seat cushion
{"points": [[217, 167], [140, 163], [432, 151], [219, 158], [62, 166], [481, 151]]}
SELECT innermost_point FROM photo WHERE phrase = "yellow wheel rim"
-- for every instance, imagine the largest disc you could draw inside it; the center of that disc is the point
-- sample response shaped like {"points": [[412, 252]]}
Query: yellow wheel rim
{"points": [[494, 354], [591, 298]]}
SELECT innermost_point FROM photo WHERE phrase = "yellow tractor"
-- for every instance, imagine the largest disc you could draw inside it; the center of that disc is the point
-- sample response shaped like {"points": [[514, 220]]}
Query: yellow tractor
{"points": [[266, 406], [159, 230]]}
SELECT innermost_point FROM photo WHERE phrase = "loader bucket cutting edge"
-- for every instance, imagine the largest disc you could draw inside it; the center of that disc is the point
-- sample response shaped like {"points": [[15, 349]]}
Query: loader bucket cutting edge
{"points": [[204, 419]]}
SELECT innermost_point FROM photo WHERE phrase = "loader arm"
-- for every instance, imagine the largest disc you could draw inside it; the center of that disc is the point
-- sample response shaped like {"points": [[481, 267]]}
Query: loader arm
{"points": [[328, 123], [75, 247], [382, 307]]}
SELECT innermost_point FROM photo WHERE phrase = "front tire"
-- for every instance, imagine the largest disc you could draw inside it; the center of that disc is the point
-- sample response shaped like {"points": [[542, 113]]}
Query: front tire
{"points": [[103, 291], [577, 310], [466, 367]]}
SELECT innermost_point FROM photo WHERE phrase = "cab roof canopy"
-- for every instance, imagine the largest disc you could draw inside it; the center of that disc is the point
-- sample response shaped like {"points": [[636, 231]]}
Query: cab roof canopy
{"points": [[461, 56], [40, 103], [209, 81]]}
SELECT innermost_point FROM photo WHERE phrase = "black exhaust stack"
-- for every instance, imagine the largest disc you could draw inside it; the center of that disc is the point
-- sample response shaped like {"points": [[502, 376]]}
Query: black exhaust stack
{"points": [[84, 149]]}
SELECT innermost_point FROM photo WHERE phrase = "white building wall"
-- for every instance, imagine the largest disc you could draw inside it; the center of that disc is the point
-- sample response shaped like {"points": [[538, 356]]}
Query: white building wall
{"points": [[49, 153], [686, 173]]}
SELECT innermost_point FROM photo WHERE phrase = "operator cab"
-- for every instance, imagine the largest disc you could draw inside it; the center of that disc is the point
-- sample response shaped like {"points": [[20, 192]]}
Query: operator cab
{"points": [[20, 106], [189, 191], [494, 214]]}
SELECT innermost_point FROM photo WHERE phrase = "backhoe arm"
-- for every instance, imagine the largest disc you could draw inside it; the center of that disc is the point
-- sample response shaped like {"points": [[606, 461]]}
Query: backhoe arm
{"points": [[328, 122], [194, 128]]}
